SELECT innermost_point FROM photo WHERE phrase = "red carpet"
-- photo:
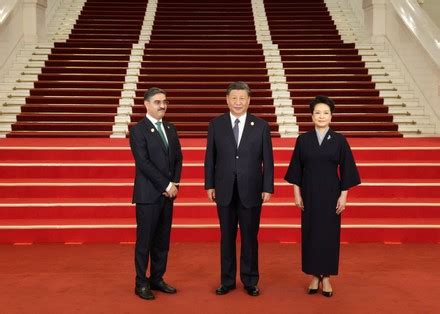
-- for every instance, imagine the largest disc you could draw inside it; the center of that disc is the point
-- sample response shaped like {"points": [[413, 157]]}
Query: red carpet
{"points": [[195, 42], [310, 45], [99, 279], [70, 97], [62, 190]]}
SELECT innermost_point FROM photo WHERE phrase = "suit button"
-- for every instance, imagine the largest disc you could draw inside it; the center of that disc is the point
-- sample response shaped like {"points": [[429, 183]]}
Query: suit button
{"points": [[236, 157]]}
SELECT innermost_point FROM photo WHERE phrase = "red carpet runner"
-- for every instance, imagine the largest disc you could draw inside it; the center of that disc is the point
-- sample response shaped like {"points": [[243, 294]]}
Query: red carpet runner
{"points": [[318, 62], [197, 48], [80, 191], [78, 92]]}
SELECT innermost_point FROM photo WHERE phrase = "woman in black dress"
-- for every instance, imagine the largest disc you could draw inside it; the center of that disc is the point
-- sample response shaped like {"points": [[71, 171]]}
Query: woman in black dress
{"points": [[321, 193]]}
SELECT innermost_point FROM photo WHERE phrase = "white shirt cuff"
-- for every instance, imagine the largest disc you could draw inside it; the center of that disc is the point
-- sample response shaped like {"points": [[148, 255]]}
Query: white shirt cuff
{"points": [[169, 186]]}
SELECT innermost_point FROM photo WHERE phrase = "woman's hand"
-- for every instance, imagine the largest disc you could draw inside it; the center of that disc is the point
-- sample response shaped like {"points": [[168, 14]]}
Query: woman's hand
{"points": [[342, 201], [298, 198]]}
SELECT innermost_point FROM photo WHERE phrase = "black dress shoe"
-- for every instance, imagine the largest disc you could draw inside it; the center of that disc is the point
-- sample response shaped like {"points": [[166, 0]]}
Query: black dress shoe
{"points": [[164, 287], [144, 293], [252, 291], [224, 289]]}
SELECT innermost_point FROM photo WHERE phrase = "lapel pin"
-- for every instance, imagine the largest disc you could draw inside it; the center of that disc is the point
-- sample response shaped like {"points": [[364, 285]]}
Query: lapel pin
{"points": [[252, 123], [329, 137], [152, 130], [168, 126]]}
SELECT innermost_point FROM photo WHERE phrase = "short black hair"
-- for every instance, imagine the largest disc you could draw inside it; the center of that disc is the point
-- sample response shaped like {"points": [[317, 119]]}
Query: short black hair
{"points": [[238, 85], [322, 100], [153, 91]]}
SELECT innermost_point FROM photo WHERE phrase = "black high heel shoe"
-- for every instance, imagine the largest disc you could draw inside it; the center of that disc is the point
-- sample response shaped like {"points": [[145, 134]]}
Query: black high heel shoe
{"points": [[313, 291], [327, 294]]}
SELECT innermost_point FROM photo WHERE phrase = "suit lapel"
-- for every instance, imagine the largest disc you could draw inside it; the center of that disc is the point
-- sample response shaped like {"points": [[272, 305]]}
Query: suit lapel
{"points": [[328, 137], [247, 130], [154, 134], [228, 129]]}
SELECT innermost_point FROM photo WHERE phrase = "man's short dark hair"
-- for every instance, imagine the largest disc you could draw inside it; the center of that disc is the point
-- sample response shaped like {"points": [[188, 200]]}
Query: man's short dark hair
{"points": [[322, 100], [239, 85], [153, 91]]}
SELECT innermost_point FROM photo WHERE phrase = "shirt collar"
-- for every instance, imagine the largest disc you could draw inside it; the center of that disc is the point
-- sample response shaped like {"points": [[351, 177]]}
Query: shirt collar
{"points": [[242, 118], [153, 120]]}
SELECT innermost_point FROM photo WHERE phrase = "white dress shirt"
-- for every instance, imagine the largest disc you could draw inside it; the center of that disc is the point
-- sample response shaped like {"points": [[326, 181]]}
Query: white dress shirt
{"points": [[240, 125]]}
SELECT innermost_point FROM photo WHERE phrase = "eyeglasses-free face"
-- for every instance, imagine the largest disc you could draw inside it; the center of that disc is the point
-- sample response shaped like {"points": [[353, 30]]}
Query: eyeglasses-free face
{"points": [[238, 102], [322, 116]]}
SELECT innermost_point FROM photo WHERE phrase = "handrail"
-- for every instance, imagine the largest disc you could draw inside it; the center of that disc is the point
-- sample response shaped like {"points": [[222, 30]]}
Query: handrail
{"points": [[6, 7], [421, 25]]}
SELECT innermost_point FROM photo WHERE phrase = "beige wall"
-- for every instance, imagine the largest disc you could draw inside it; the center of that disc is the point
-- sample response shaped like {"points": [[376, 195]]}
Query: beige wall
{"points": [[11, 35], [419, 65], [432, 7], [25, 24]]}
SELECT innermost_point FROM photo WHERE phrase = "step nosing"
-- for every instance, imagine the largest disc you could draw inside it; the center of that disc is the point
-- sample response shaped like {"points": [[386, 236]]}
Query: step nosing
{"points": [[193, 183], [195, 164], [214, 225], [209, 204], [203, 148]]}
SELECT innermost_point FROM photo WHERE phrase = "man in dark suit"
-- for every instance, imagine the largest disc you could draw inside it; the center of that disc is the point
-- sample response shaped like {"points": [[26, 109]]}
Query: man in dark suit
{"points": [[239, 174], [158, 158]]}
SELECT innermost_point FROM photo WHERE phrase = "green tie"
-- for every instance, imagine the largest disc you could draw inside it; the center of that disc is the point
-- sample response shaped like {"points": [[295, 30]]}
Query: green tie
{"points": [[159, 129]]}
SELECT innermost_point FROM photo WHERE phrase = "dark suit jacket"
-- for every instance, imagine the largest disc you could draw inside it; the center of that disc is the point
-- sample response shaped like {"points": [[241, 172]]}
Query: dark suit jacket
{"points": [[156, 166], [251, 162]]}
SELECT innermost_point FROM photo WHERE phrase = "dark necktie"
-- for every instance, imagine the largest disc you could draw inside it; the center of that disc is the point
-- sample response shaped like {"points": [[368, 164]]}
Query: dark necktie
{"points": [[236, 130], [159, 129]]}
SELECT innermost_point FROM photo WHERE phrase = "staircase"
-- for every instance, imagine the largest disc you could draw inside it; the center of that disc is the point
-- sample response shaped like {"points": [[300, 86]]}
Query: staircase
{"points": [[91, 84], [318, 62], [79, 190], [77, 94], [400, 93], [28, 63], [195, 50]]}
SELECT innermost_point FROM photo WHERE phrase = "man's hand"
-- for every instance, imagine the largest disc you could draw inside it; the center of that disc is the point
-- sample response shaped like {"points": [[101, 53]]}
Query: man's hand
{"points": [[265, 196], [172, 192], [211, 194]]}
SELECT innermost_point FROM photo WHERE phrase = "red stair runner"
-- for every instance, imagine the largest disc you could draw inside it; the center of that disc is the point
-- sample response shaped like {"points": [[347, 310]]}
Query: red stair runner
{"points": [[77, 94], [80, 190], [197, 48], [318, 62]]}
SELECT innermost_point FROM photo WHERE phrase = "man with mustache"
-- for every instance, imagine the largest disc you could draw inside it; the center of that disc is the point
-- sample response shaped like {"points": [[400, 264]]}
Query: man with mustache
{"points": [[158, 158]]}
